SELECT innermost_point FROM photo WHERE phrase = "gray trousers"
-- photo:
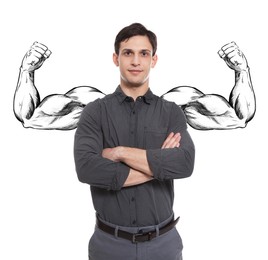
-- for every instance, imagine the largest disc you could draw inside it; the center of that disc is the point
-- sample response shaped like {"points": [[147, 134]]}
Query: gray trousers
{"points": [[103, 246]]}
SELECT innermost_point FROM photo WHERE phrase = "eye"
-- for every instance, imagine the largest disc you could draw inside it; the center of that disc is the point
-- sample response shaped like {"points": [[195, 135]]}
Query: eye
{"points": [[127, 53], [145, 53]]}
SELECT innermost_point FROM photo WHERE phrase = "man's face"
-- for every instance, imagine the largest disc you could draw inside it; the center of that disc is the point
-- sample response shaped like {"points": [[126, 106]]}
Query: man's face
{"points": [[135, 61]]}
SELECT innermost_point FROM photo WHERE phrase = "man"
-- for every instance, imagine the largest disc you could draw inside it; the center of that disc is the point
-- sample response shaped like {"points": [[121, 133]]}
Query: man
{"points": [[202, 111], [130, 146], [134, 169]]}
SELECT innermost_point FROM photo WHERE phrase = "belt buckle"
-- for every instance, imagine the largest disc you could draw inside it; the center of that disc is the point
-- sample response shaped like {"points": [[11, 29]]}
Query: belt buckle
{"points": [[135, 236]]}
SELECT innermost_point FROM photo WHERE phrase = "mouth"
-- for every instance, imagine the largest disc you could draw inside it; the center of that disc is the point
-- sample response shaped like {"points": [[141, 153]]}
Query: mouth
{"points": [[135, 71]]}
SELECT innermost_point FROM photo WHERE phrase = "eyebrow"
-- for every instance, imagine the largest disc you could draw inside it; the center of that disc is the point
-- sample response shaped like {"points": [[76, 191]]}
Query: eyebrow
{"points": [[142, 50]]}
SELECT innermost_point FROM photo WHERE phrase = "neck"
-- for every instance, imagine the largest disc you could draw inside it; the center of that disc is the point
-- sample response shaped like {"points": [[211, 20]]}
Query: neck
{"points": [[134, 91]]}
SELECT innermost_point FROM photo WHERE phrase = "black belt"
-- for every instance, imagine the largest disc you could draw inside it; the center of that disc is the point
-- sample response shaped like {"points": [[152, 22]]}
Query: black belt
{"points": [[138, 237]]}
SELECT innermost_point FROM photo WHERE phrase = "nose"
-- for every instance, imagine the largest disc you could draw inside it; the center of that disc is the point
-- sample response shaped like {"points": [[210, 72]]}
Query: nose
{"points": [[136, 60]]}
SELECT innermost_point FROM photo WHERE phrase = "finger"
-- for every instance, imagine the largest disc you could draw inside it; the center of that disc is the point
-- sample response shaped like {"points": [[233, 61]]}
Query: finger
{"points": [[177, 140], [33, 61], [40, 52], [42, 49], [167, 140], [179, 136], [231, 54], [221, 53], [225, 52], [235, 61], [47, 53], [174, 141], [229, 45], [227, 48], [40, 45], [35, 53]]}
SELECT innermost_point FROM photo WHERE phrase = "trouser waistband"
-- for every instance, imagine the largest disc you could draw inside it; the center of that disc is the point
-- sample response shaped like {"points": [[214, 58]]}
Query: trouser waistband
{"points": [[137, 234]]}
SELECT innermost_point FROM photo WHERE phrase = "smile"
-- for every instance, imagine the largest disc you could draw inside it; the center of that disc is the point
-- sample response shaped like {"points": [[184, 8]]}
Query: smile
{"points": [[135, 71]]}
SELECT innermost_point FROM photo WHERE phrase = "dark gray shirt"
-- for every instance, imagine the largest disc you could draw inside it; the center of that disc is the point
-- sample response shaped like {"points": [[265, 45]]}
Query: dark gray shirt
{"points": [[116, 120]]}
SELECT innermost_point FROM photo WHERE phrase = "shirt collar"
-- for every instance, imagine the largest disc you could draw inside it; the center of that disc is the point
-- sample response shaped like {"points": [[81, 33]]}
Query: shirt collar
{"points": [[121, 96]]}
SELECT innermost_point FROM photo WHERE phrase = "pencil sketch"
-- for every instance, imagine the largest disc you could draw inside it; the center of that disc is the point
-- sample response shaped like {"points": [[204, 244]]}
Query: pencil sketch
{"points": [[202, 111]]}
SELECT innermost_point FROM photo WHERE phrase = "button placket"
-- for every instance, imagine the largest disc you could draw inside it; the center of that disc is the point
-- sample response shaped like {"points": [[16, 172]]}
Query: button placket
{"points": [[133, 126], [132, 202]]}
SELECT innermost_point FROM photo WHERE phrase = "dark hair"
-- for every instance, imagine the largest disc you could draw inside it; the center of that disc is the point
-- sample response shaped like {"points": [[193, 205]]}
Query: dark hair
{"points": [[134, 30]]}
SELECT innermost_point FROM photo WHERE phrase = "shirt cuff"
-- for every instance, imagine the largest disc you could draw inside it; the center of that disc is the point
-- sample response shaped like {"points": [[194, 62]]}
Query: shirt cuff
{"points": [[122, 172], [154, 161]]}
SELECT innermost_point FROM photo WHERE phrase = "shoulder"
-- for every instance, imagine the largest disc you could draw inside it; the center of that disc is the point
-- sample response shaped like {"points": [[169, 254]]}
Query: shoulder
{"points": [[92, 106], [168, 108], [99, 101], [175, 112], [167, 105], [95, 107]]}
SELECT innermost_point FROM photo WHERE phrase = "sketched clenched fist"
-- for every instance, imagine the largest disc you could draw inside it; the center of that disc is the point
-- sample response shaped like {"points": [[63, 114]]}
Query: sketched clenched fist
{"points": [[233, 57], [35, 57]]}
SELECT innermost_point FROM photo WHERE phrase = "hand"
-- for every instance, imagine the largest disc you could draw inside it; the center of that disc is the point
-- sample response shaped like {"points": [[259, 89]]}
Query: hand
{"points": [[35, 57], [115, 154], [111, 153], [233, 56], [172, 141]]}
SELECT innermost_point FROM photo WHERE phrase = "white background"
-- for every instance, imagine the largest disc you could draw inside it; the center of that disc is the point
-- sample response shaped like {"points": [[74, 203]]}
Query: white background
{"points": [[45, 212]]}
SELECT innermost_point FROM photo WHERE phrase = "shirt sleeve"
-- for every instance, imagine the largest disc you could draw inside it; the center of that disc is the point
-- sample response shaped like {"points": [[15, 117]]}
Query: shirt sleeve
{"points": [[91, 167], [174, 163]]}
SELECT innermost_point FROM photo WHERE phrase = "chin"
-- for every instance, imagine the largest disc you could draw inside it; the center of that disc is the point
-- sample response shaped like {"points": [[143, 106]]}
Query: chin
{"points": [[136, 85]]}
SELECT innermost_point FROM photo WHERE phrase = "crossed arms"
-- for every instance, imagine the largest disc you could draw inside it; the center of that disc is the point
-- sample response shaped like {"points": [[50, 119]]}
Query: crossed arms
{"points": [[140, 171], [114, 168], [202, 111]]}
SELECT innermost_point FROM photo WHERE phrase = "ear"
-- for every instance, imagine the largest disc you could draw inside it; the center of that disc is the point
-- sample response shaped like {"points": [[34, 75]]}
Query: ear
{"points": [[115, 59], [154, 61]]}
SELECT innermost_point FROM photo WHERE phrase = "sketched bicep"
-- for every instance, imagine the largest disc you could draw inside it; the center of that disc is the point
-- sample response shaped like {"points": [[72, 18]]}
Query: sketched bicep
{"points": [[57, 105], [212, 112], [211, 105], [182, 95]]}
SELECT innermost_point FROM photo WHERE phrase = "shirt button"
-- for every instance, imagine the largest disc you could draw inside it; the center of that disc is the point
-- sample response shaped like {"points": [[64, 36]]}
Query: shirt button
{"points": [[132, 132], [132, 199], [134, 222], [133, 112]]}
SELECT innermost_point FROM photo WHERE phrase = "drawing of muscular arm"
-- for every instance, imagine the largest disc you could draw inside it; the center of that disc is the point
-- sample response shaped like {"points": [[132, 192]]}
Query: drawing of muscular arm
{"points": [[203, 111], [57, 111], [207, 112]]}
